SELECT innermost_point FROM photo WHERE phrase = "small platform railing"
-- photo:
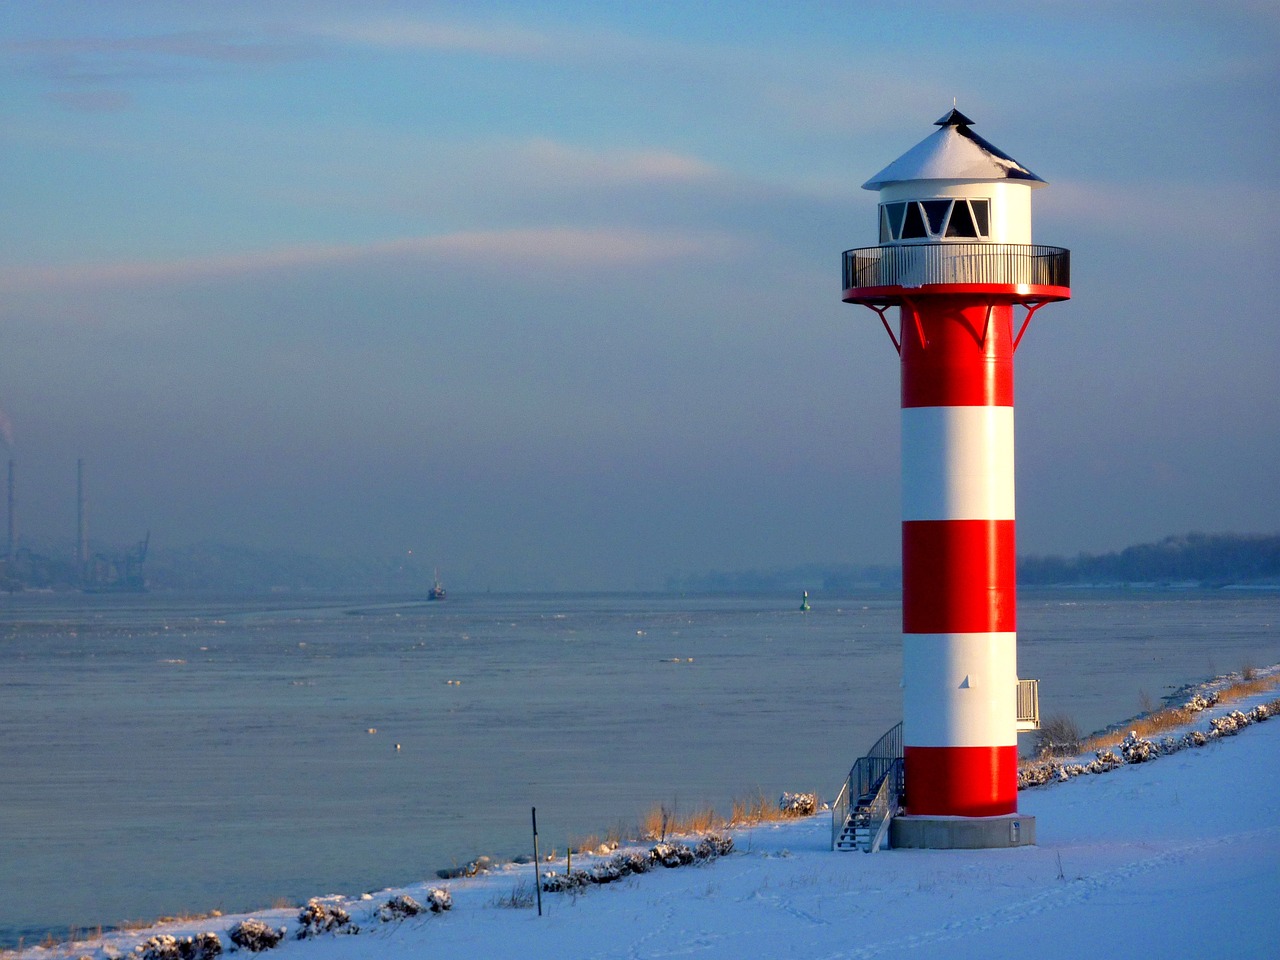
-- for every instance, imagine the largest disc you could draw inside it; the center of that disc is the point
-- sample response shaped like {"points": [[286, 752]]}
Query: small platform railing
{"points": [[1028, 704], [917, 264]]}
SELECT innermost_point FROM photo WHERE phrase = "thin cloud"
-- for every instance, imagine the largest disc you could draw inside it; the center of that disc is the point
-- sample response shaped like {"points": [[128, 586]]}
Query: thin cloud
{"points": [[597, 47], [91, 101], [218, 46], [501, 40], [530, 248], [562, 161], [1173, 209]]}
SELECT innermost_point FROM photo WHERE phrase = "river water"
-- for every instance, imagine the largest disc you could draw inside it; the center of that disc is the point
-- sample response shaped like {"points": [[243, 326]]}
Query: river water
{"points": [[161, 755]]}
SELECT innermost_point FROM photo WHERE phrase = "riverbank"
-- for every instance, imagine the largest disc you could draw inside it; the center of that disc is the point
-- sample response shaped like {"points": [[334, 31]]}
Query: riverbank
{"points": [[1148, 859]]}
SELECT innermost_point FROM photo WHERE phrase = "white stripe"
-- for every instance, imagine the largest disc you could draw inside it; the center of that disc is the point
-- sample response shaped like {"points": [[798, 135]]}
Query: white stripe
{"points": [[959, 689], [957, 463]]}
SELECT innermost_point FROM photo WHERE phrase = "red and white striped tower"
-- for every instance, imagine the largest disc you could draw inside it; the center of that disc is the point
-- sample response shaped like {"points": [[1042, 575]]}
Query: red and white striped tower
{"points": [[955, 256]]}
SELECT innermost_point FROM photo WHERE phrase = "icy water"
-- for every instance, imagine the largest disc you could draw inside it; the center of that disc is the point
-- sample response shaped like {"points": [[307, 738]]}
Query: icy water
{"points": [[162, 755]]}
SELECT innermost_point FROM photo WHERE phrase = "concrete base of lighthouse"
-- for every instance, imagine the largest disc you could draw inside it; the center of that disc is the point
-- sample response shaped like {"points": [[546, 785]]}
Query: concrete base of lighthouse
{"points": [[962, 833]]}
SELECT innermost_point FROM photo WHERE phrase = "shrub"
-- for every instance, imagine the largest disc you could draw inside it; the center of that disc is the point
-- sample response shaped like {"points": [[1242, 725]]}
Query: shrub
{"points": [[553, 882], [397, 908], [317, 918], [798, 804], [1229, 725], [203, 946], [1135, 749], [1058, 736], [255, 936], [671, 854], [1104, 761], [160, 947], [712, 846]]}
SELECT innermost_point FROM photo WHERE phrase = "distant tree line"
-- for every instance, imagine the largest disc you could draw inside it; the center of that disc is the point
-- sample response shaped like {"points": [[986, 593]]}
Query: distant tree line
{"points": [[1211, 559], [827, 578], [1207, 559]]}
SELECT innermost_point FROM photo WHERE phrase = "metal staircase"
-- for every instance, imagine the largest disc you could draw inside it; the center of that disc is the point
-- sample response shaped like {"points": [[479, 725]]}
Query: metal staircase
{"points": [[870, 798]]}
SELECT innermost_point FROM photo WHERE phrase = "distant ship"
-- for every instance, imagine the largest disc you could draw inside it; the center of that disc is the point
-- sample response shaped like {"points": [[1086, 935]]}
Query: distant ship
{"points": [[437, 589]]}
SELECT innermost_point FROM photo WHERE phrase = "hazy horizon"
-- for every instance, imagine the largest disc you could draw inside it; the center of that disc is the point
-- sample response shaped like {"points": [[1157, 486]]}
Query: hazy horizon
{"points": [[552, 294]]}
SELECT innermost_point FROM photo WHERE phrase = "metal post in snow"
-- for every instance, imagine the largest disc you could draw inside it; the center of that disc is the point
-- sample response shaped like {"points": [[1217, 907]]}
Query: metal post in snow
{"points": [[537, 869]]}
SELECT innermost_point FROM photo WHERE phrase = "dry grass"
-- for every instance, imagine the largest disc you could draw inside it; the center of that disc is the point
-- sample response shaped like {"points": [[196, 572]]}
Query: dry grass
{"points": [[664, 821], [757, 808], [1252, 684], [592, 842], [522, 897], [1169, 718]]}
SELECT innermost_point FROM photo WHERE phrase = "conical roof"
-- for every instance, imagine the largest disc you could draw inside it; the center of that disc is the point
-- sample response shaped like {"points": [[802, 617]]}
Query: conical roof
{"points": [[952, 153]]}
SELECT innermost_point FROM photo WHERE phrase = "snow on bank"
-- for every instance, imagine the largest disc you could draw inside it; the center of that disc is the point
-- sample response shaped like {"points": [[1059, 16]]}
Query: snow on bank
{"points": [[1179, 857]]}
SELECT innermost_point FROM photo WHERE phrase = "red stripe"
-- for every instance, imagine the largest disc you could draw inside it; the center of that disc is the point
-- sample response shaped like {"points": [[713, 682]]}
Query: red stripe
{"points": [[954, 366], [961, 781], [959, 576]]}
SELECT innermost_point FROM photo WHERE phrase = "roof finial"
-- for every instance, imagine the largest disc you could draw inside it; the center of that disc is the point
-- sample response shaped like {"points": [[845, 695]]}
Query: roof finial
{"points": [[953, 118]]}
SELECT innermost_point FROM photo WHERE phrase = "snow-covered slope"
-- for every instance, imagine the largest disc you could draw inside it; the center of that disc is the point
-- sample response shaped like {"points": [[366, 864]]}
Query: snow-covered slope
{"points": [[1178, 857]]}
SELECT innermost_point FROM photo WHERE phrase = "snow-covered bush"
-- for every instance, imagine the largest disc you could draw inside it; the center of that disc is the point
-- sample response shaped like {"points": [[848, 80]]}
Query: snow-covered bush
{"points": [[553, 882], [671, 854], [397, 908], [1259, 713], [1201, 702], [203, 946], [712, 846], [1195, 739], [255, 936], [1136, 749], [439, 900], [624, 864], [1228, 725], [635, 862], [160, 947], [317, 918], [1035, 774], [798, 804], [1104, 761], [606, 871]]}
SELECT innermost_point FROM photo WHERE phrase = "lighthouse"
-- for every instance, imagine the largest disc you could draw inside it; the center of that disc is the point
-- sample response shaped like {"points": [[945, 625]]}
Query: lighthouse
{"points": [[955, 257]]}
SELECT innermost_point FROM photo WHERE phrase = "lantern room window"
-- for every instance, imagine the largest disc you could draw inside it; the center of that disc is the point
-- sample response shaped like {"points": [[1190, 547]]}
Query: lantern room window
{"points": [[937, 219]]}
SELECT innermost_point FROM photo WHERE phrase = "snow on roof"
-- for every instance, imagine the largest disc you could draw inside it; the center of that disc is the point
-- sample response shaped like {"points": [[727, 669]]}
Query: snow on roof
{"points": [[952, 153]]}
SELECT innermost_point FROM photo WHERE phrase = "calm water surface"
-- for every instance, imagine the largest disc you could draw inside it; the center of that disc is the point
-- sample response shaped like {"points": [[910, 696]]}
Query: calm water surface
{"points": [[160, 755]]}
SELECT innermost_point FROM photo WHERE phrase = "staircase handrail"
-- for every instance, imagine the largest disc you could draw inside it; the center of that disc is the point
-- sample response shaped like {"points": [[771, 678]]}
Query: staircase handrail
{"points": [[873, 788], [883, 807], [839, 813], [870, 769]]}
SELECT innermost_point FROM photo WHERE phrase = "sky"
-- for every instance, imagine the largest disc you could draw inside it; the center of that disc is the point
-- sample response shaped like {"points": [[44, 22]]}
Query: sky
{"points": [[548, 293]]}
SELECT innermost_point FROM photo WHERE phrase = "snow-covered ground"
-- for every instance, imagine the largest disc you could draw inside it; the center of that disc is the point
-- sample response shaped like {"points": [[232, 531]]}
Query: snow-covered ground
{"points": [[1176, 857]]}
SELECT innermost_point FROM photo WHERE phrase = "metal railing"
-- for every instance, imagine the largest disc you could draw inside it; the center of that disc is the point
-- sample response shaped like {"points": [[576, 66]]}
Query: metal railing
{"points": [[1028, 704], [869, 770], [915, 264], [880, 809], [839, 814], [877, 773]]}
